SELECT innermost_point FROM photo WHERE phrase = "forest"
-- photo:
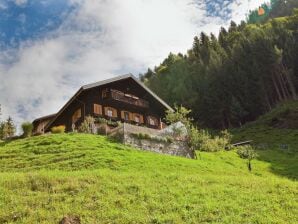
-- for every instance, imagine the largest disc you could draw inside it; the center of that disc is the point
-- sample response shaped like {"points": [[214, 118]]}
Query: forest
{"points": [[244, 72]]}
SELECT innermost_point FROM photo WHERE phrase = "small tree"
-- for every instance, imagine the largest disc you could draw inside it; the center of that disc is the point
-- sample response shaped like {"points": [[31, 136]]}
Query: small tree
{"points": [[180, 114], [88, 125], [1, 130], [247, 152], [7, 128], [27, 128], [11, 128]]}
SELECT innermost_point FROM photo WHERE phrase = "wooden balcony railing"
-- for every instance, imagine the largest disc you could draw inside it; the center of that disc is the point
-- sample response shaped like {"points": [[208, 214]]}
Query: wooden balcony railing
{"points": [[127, 98]]}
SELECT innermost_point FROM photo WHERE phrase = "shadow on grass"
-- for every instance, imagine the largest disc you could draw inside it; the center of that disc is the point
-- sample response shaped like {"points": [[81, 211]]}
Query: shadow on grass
{"points": [[282, 163]]}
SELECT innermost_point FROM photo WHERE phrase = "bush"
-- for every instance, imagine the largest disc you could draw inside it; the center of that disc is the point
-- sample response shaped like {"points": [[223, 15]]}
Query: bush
{"points": [[58, 129], [27, 128], [88, 125], [108, 122], [198, 139]]}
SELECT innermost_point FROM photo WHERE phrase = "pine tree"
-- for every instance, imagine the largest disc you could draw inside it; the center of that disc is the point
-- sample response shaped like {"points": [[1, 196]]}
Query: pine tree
{"points": [[8, 128]]}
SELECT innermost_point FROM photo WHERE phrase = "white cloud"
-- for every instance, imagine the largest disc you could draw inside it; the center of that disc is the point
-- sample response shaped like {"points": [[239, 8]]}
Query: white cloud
{"points": [[99, 40], [20, 2]]}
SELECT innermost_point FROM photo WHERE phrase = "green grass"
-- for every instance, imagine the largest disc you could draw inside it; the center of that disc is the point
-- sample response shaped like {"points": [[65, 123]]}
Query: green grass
{"points": [[274, 129], [45, 178]]}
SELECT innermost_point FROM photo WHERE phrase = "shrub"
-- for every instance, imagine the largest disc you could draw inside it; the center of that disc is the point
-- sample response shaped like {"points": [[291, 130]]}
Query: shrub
{"points": [[108, 122], [27, 128], [170, 139], [88, 125], [198, 139], [203, 141], [58, 129]]}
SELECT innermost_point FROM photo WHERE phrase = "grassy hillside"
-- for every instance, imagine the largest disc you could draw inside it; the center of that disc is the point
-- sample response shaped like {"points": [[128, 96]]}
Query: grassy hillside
{"points": [[45, 178], [277, 132], [280, 126]]}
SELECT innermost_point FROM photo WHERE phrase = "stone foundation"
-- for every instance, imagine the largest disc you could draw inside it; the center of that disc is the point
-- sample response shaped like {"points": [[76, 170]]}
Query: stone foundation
{"points": [[128, 135]]}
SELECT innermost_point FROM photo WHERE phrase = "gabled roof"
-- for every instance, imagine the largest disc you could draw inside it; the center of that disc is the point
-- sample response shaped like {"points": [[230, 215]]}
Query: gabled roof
{"points": [[107, 81]]}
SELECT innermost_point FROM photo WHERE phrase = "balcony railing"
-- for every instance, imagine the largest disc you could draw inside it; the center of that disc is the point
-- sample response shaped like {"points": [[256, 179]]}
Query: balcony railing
{"points": [[127, 98]]}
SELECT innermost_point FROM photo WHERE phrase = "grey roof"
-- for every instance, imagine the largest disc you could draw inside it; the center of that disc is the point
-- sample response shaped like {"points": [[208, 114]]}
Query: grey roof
{"points": [[44, 117], [107, 81]]}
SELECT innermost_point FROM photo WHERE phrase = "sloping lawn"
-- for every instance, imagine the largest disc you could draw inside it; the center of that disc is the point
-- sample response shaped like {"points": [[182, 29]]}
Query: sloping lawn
{"points": [[45, 178]]}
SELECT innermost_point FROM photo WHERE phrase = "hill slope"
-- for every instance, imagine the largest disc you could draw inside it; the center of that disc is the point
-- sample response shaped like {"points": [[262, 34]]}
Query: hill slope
{"points": [[279, 127], [45, 178]]}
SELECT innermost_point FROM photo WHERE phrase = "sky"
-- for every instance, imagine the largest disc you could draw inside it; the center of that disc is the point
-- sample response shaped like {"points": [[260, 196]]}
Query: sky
{"points": [[49, 48]]}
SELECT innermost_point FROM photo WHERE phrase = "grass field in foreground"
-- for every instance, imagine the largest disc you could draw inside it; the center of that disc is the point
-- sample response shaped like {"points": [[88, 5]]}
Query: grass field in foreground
{"points": [[45, 178]]}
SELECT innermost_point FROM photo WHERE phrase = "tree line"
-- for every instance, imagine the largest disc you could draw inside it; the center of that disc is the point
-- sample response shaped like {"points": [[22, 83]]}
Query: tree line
{"points": [[232, 78]]}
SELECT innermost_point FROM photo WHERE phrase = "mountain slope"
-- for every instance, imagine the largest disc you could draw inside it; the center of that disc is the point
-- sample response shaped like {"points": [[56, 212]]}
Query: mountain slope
{"points": [[276, 128], [45, 178]]}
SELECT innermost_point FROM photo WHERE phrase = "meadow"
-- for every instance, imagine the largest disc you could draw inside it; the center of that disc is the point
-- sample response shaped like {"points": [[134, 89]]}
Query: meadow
{"points": [[45, 178]]}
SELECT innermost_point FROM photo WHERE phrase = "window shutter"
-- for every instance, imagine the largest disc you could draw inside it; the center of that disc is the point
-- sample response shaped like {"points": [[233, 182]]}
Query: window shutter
{"points": [[141, 119], [114, 112], [122, 114], [97, 109], [77, 114], [130, 116]]}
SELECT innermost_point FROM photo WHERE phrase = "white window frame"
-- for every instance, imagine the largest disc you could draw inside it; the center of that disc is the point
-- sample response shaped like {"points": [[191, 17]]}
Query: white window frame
{"points": [[109, 112], [137, 118], [151, 121]]}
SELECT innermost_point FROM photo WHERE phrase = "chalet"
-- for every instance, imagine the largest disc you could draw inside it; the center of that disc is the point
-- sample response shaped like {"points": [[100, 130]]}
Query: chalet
{"points": [[123, 98]]}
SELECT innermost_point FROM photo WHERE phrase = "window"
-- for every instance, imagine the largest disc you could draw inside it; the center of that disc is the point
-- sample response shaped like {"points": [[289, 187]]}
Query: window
{"points": [[110, 112], [77, 115], [104, 93], [151, 121], [97, 109], [126, 115], [137, 118]]}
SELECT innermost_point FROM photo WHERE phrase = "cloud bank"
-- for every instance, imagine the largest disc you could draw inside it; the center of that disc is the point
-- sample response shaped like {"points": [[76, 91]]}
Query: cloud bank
{"points": [[100, 39]]}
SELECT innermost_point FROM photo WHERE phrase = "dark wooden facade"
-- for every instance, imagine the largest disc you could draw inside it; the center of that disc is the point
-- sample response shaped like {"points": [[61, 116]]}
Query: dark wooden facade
{"points": [[120, 99]]}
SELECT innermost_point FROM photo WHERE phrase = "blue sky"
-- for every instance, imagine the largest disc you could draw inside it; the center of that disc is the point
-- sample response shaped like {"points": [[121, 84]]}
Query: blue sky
{"points": [[49, 48], [30, 19]]}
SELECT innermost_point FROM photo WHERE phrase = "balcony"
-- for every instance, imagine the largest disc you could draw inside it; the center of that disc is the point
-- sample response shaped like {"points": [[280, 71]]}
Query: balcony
{"points": [[126, 98]]}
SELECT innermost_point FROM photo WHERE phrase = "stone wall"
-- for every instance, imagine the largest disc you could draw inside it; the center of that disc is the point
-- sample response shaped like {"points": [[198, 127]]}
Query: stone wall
{"points": [[127, 134]]}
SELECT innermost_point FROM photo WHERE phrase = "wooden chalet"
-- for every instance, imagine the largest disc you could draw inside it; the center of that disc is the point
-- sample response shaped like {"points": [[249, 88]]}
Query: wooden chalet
{"points": [[123, 98]]}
